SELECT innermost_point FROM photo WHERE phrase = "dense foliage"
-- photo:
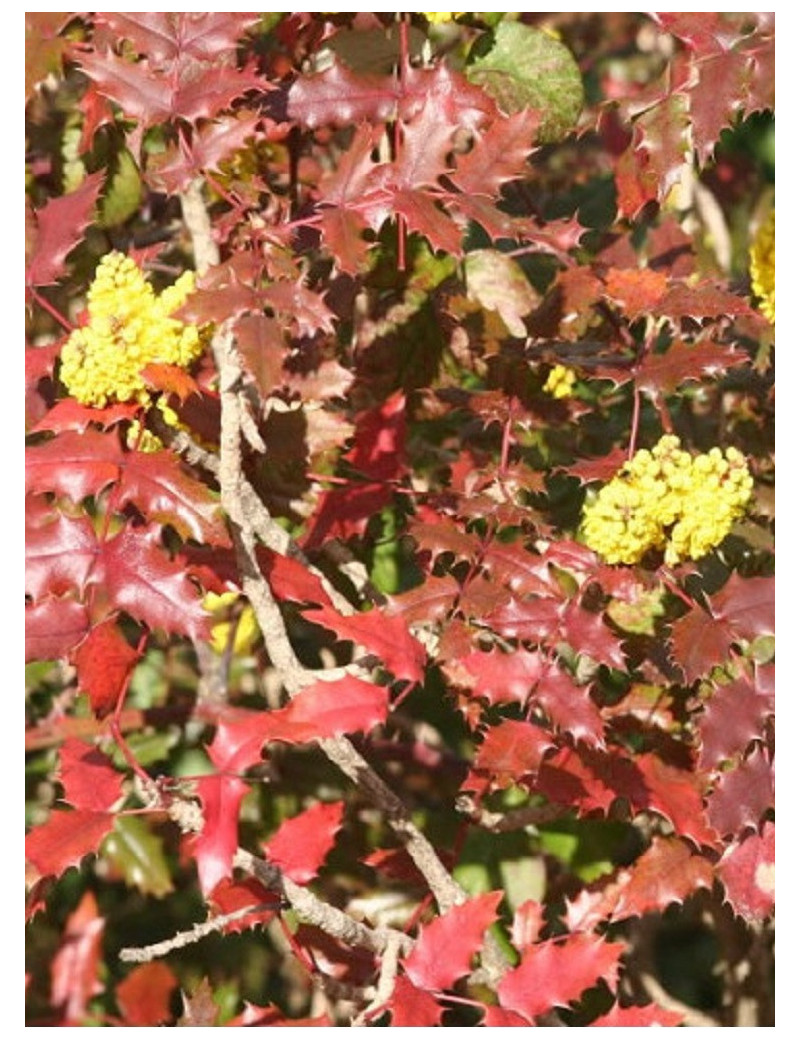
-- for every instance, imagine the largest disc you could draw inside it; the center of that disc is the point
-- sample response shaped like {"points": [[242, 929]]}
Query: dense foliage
{"points": [[399, 473]]}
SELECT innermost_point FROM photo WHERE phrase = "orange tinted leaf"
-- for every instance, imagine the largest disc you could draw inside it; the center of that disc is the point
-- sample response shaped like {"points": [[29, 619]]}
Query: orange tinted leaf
{"points": [[104, 661], [144, 996]]}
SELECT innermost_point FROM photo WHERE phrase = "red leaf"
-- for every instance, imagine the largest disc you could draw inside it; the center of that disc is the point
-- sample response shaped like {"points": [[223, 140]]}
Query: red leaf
{"points": [[588, 634], [512, 750], [144, 996], [498, 155], [214, 848], [229, 896], [379, 454], [647, 1015], [329, 709], [292, 580], [201, 91], [497, 1016], [60, 551], [104, 661], [743, 794], [553, 974], [65, 839], [300, 845], [676, 794], [748, 873], [444, 950], [743, 610], [76, 965], [699, 643], [60, 224], [272, 1016], [668, 872], [53, 627], [411, 1006], [385, 636], [141, 579], [76, 465], [89, 779], [429, 602], [732, 718], [569, 706], [504, 678]]}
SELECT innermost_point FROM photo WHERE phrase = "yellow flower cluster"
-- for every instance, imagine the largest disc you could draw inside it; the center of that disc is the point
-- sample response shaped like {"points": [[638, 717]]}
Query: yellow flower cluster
{"points": [[560, 382], [762, 266], [667, 499], [247, 630], [438, 17], [128, 327]]}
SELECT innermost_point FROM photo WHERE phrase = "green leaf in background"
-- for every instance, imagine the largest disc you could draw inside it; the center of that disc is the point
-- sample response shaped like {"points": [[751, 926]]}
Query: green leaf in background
{"points": [[528, 68], [138, 855], [123, 193]]}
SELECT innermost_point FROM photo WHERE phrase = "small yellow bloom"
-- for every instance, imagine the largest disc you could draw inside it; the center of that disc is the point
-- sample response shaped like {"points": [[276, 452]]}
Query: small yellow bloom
{"points": [[246, 630], [666, 499], [560, 382], [129, 327], [438, 17], [762, 266]]}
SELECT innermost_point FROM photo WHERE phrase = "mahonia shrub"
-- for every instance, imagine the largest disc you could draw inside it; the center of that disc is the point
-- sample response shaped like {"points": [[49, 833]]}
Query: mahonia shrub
{"points": [[399, 519]]}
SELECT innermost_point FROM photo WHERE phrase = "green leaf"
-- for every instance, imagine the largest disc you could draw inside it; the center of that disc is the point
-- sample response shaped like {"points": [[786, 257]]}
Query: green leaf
{"points": [[528, 68], [139, 855], [123, 192]]}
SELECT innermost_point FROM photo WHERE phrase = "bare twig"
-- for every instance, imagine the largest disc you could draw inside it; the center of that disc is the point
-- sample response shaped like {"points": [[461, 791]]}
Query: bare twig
{"points": [[691, 1016], [140, 954]]}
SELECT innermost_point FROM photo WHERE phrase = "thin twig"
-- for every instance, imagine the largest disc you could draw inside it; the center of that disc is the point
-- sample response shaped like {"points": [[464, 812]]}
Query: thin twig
{"points": [[140, 954]]}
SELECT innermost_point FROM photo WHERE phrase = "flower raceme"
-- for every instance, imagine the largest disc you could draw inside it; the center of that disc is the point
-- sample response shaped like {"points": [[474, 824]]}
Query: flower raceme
{"points": [[128, 327], [667, 499], [560, 382], [762, 266]]}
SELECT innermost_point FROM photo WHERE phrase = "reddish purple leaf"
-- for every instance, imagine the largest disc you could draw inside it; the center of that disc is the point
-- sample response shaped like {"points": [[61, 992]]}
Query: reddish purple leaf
{"points": [[668, 872], [444, 950], [569, 706], [89, 779], [60, 551], [498, 155], [60, 224], [733, 717], [301, 844], [53, 627], [747, 872], [588, 634], [742, 795], [166, 36], [747, 606], [553, 974], [664, 373]]}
